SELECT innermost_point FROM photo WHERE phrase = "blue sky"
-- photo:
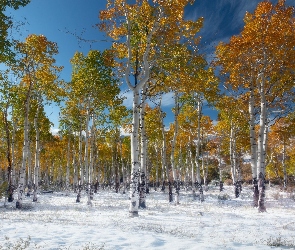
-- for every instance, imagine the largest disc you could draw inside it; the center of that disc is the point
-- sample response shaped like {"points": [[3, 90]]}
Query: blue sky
{"points": [[58, 20]]}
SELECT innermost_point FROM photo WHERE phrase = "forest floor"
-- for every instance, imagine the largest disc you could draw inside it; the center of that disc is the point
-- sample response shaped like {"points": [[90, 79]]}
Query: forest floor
{"points": [[56, 221]]}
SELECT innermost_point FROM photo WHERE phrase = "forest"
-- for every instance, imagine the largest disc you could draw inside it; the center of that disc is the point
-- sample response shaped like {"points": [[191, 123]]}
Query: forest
{"points": [[103, 145]]}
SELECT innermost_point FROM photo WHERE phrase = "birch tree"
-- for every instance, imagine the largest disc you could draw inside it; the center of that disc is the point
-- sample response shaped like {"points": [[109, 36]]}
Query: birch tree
{"points": [[141, 31], [93, 92], [35, 67], [6, 22], [261, 61]]}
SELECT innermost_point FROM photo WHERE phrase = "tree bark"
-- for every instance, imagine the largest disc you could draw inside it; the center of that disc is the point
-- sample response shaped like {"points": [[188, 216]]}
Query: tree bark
{"points": [[173, 144], [253, 145], [284, 166], [9, 157], [198, 175], [21, 182], [37, 158], [261, 147], [143, 158], [135, 164]]}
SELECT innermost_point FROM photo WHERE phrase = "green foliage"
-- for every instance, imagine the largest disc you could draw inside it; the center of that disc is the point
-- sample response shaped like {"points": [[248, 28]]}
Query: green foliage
{"points": [[6, 23], [3, 189]]}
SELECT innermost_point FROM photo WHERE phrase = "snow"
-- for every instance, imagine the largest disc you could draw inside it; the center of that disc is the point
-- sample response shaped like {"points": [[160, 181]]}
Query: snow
{"points": [[56, 221]]}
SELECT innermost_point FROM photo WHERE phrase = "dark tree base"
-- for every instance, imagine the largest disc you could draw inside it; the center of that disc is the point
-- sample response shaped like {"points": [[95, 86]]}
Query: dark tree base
{"points": [[78, 198], [255, 193], [194, 195], [142, 205], [170, 191], [10, 198], [18, 205], [133, 214]]}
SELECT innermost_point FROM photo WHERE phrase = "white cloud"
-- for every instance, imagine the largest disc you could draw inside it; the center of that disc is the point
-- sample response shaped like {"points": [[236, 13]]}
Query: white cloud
{"points": [[124, 133], [129, 99], [168, 100], [54, 131]]}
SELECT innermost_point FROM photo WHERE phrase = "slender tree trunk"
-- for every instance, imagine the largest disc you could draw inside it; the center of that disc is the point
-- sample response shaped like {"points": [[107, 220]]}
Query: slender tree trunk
{"points": [[30, 171], [37, 158], [220, 167], [261, 148], [284, 166], [135, 164], [21, 182], [86, 155], [9, 157], [193, 173], [163, 152], [233, 159], [157, 169], [143, 158], [115, 161], [68, 163], [13, 163], [173, 144], [253, 146], [90, 192], [122, 166], [75, 167], [198, 175], [81, 177]]}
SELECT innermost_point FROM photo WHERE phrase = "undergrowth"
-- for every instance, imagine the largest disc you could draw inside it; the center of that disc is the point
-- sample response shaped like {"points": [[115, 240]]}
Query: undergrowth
{"points": [[27, 244]]}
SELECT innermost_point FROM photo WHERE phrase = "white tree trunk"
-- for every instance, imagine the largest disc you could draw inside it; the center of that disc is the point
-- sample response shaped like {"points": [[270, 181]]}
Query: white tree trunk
{"points": [[25, 152], [220, 166], [29, 171], [75, 167], [163, 151], [143, 154], [156, 186], [261, 146], [173, 144], [253, 145], [198, 144], [193, 175], [284, 165], [68, 164], [13, 163], [81, 171], [37, 157], [86, 155], [21, 181], [90, 191], [135, 164], [232, 154]]}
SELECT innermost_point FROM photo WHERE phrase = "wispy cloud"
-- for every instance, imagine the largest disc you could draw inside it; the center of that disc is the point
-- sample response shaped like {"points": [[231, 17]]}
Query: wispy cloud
{"points": [[128, 99], [167, 100], [54, 131], [222, 18]]}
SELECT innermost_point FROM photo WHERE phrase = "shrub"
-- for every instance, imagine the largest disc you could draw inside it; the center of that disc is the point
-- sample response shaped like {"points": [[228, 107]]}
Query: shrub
{"points": [[228, 182], [223, 196], [279, 242], [3, 189]]}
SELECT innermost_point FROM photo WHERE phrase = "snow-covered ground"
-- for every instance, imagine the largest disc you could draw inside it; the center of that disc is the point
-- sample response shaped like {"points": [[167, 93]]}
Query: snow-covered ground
{"points": [[56, 221]]}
